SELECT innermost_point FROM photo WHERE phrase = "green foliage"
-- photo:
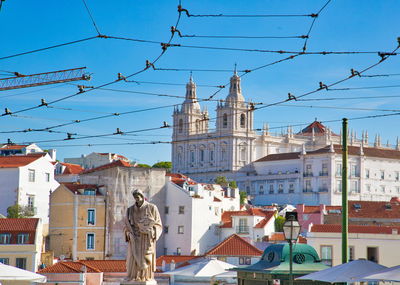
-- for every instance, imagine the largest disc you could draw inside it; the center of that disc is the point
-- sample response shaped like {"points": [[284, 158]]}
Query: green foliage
{"points": [[243, 197], [233, 184], [143, 165], [221, 180], [279, 221], [163, 164], [17, 211]]}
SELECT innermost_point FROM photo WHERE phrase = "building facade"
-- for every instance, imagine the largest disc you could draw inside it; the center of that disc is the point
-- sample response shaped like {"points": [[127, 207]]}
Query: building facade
{"points": [[95, 159], [27, 180], [193, 213], [21, 243], [77, 221]]}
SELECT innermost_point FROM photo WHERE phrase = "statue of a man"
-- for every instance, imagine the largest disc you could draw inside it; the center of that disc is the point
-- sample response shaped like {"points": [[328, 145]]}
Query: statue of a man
{"points": [[142, 229]]}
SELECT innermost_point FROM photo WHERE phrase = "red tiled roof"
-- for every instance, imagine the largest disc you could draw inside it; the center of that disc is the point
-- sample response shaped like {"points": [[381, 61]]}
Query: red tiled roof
{"points": [[261, 223], [216, 199], [92, 266], [370, 209], [118, 163], [14, 161], [235, 246], [302, 239], [280, 156], [72, 168], [21, 224], [74, 187], [226, 217], [278, 236], [176, 258], [354, 229], [13, 146], [319, 129], [180, 179], [311, 210]]}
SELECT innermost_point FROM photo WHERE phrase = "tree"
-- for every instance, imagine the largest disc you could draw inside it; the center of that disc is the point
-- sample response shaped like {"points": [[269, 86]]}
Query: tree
{"points": [[221, 180], [243, 197], [17, 211], [163, 164], [233, 184], [279, 221], [143, 165]]}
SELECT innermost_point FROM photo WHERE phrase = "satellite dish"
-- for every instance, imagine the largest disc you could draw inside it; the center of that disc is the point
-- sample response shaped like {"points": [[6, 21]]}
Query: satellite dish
{"points": [[62, 257]]}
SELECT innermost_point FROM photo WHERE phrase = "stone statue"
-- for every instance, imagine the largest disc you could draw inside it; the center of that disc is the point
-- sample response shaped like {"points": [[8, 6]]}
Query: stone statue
{"points": [[142, 229]]}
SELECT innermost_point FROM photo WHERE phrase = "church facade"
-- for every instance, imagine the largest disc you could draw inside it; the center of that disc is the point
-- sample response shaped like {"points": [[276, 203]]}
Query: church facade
{"points": [[230, 148]]}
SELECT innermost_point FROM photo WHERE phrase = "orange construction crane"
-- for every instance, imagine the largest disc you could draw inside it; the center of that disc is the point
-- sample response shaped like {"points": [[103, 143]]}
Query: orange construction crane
{"points": [[52, 77]]}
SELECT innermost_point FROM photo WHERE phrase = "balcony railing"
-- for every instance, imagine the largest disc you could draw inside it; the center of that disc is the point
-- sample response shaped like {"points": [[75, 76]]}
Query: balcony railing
{"points": [[308, 174], [242, 229], [323, 189], [323, 173], [306, 190]]}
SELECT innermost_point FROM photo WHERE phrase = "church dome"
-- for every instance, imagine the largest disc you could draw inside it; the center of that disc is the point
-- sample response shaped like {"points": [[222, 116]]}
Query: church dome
{"points": [[235, 90]]}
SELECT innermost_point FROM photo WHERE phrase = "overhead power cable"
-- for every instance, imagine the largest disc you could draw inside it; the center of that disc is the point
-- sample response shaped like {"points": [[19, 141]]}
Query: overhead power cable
{"points": [[91, 17], [112, 144], [242, 37], [348, 98], [172, 84]]}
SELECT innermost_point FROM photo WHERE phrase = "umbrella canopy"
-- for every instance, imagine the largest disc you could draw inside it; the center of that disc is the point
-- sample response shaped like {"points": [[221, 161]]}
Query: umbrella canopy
{"points": [[8, 272], [386, 274], [346, 272], [202, 268]]}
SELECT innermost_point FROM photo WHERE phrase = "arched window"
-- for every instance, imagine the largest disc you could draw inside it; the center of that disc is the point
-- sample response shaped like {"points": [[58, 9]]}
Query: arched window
{"points": [[211, 149], [197, 126], [225, 120], [243, 152], [180, 126], [242, 120]]}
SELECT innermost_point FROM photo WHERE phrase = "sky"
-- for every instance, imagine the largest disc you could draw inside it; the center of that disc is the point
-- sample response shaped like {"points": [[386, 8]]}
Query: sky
{"points": [[341, 26]]}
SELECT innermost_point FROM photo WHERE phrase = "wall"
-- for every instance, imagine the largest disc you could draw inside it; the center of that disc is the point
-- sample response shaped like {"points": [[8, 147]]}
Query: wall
{"points": [[9, 178]]}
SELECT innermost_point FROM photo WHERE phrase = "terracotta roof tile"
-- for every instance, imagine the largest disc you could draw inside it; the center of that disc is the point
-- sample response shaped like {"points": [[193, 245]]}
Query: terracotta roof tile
{"points": [[318, 128], [355, 229], [311, 210], [118, 163], [22, 224], [234, 246], [369, 209], [226, 217], [180, 179], [75, 187], [92, 266], [14, 161], [13, 146], [278, 236], [72, 168], [216, 199], [280, 156], [261, 224]]}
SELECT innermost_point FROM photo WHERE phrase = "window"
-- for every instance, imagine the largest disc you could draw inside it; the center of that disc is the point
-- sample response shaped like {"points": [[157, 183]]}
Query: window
{"points": [[383, 188], [307, 186], [351, 253], [223, 154], [89, 241], [181, 209], [338, 185], [382, 174], [242, 228], [31, 175], [224, 120], [192, 156], [166, 210], [5, 260], [90, 192], [397, 189], [372, 254], [308, 170], [20, 263], [353, 170], [261, 190], [354, 187], [271, 189], [244, 260], [280, 188], [366, 173], [324, 169], [368, 188], [31, 201], [211, 155], [166, 229], [326, 254], [22, 238], [180, 230], [5, 238], [178, 251], [338, 169], [242, 120], [291, 188], [47, 177], [397, 176], [180, 126], [91, 216], [201, 154]]}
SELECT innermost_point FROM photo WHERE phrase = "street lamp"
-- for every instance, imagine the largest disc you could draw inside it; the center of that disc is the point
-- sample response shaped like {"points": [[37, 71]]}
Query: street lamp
{"points": [[291, 230]]}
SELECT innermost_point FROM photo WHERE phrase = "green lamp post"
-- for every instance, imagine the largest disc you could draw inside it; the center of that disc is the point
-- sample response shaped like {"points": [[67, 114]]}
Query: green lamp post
{"points": [[291, 230]]}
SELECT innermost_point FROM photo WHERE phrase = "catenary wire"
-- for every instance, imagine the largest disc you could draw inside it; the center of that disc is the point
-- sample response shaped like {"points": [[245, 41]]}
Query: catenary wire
{"points": [[91, 17]]}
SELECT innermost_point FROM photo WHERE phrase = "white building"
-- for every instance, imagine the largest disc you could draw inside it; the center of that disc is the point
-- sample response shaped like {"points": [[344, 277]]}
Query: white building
{"points": [[193, 213], [253, 223], [314, 177], [14, 149], [95, 159], [27, 180], [375, 243], [203, 154]]}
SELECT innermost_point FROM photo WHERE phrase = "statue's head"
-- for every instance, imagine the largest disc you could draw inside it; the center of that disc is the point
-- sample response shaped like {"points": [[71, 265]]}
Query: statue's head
{"points": [[138, 195]]}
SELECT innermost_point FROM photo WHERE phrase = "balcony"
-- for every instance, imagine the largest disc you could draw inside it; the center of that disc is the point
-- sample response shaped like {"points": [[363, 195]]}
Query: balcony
{"points": [[323, 173], [242, 229], [323, 189], [306, 190], [308, 174]]}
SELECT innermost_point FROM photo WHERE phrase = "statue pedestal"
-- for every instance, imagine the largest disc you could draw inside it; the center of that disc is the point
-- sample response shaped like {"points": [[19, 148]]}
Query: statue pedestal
{"points": [[149, 282]]}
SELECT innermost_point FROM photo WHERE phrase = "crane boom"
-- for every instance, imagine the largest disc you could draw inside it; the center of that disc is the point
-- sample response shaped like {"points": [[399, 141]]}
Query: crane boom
{"points": [[46, 78]]}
